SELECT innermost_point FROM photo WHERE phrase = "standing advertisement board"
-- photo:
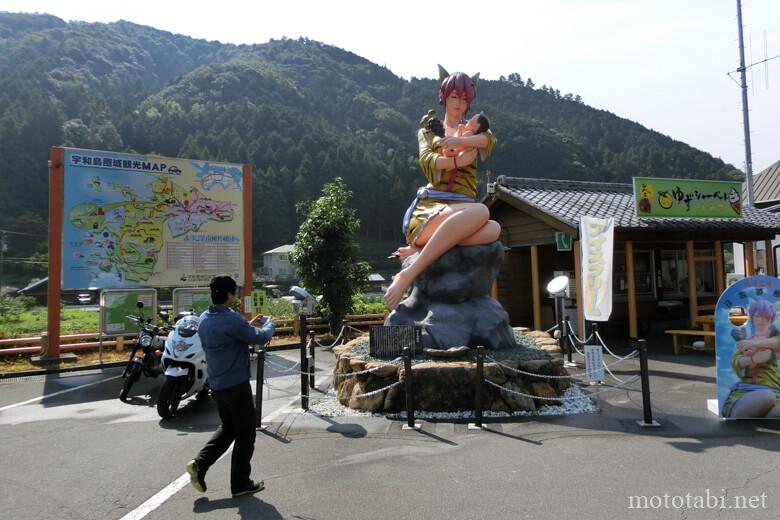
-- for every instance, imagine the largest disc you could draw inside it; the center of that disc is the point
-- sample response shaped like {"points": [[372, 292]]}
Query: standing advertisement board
{"points": [[195, 299], [687, 198], [150, 221], [747, 352], [596, 248], [116, 304]]}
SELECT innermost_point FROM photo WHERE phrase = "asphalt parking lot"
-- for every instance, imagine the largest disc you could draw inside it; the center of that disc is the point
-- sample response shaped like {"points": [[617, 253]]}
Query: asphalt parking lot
{"points": [[81, 453]]}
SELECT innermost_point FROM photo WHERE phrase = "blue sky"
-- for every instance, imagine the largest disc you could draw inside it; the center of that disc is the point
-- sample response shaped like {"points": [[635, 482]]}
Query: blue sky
{"points": [[661, 63]]}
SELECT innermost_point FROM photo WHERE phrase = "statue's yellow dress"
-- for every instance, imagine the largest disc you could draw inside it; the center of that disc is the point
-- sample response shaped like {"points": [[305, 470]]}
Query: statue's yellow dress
{"points": [[465, 181]]}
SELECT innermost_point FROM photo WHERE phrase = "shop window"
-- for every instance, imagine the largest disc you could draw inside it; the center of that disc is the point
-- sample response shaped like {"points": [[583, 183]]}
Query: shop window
{"points": [[644, 280], [674, 274]]}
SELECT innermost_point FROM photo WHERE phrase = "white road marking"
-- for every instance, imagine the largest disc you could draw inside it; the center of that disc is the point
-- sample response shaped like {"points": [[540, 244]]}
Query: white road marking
{"points": [[171, 489], [40, 398]]}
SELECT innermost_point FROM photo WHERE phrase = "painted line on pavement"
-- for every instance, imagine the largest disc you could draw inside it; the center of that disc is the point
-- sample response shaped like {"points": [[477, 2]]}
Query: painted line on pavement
{"points": [[40, 398], [174, 487]]}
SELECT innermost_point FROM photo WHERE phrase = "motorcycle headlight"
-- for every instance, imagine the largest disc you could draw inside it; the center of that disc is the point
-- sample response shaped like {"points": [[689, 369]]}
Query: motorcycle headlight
{"points": [[145, 341]]}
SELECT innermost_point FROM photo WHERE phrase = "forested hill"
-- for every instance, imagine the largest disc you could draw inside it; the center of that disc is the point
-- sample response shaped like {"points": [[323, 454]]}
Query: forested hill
{"points": [[299, 111]]}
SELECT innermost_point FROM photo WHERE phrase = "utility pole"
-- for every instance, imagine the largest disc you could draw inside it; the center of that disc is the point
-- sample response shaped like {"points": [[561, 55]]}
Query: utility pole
{"points": [[3, 249], [745, 117]]}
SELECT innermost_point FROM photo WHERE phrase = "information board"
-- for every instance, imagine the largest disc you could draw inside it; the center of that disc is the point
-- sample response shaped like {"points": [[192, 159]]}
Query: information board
{"points": [[116, 304], [195, 299], [150, 221]]}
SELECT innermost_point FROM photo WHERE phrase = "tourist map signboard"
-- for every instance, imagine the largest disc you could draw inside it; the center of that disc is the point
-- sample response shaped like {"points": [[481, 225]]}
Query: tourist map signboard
{"points": [[150, 221], [195, 299], [687, 198], [117, 304]]}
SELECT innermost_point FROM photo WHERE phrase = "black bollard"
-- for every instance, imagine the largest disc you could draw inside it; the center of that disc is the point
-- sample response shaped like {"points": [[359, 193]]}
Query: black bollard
{"points": [[259, 386], [344, 330], [477, 425], [645, 377], [303, 328], [570, 345], [410, 424], [304, 378], [311, 359]]}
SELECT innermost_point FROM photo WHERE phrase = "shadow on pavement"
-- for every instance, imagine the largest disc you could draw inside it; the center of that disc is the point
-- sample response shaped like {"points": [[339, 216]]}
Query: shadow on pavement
{"points": [[246, 507]]}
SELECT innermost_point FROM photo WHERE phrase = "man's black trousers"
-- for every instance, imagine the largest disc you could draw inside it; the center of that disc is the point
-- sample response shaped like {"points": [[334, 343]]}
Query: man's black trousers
{"points": [[237, 411]]}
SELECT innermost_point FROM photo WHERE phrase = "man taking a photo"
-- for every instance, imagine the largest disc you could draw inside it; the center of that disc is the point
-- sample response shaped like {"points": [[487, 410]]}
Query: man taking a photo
{"points": [[226, 337]]}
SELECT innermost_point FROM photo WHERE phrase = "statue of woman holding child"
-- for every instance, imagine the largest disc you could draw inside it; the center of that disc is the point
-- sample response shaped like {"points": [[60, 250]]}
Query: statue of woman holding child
{"points": [[445, 213]]}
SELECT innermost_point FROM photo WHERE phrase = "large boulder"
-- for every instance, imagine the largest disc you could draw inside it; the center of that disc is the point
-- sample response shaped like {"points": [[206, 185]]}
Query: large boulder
{"points": [[451, 301]]}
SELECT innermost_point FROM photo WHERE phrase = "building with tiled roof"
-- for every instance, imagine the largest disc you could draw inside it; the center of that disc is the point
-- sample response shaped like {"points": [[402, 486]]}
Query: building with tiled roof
{"points": [[662, 250]]}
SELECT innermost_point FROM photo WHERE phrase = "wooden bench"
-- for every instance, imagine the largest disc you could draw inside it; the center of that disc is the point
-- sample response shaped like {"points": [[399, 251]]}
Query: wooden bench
{"points": [[676, 333]]}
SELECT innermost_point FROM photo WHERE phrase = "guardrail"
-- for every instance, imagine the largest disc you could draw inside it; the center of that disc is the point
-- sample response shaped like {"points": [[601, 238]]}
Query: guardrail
{"points": [[88, 341]]}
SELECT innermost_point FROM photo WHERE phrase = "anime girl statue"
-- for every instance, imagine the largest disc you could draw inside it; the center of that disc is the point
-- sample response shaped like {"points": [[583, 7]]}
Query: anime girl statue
{"points": [[445, 213], [757, 393]]}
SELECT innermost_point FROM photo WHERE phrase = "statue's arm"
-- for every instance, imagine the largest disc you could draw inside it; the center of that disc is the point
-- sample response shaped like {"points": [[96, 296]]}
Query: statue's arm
{"points": [[432, 162], [484, 142]]}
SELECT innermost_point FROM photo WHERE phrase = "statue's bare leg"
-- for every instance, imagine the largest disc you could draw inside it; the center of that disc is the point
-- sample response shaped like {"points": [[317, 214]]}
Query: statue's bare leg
{"points": [[460, 224], [754, 404]]}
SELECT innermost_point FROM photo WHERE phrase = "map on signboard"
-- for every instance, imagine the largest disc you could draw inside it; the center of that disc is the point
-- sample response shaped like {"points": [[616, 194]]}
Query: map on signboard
{"points": [[116, 305], [133, 220]]}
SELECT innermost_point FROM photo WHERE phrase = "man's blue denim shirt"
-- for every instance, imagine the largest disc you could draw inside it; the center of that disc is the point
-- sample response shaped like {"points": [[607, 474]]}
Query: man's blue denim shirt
{"points": [[226, 336]]}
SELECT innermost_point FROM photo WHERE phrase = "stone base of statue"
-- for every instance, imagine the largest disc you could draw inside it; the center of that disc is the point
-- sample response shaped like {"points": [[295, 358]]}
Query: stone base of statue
{"points": [[451, 301], [443, 385]]}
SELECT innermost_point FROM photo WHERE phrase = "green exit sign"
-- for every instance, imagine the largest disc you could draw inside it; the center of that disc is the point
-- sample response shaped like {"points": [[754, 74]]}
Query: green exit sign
{"points": [[562, 241]]}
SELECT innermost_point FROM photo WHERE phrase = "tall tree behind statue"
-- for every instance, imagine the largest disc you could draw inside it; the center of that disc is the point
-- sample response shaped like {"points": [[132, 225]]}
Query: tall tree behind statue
{"points": [[325, 253]]}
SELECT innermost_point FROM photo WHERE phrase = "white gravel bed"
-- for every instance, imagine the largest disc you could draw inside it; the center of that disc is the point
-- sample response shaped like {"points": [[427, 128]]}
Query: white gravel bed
{"points": [[577, 402]]}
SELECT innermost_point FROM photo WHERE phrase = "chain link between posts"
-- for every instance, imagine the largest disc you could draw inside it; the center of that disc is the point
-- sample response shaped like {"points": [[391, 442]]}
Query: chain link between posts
{"points": [[368, 370], [586, 396]]}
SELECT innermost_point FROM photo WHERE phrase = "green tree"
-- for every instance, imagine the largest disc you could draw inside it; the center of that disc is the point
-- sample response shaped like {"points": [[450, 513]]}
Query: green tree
{"points": [[325, 253]]}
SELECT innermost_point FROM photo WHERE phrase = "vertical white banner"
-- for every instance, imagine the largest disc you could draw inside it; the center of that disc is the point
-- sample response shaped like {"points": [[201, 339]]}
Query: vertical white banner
{"points": [[596, 243]]}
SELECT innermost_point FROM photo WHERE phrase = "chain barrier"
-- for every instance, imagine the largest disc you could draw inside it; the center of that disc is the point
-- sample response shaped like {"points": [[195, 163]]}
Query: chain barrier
{"points": [[598, 336], [368, 370], [569, 376], [335, 342], [281, 368], [587, 396], [373, 392], [350, 327]]}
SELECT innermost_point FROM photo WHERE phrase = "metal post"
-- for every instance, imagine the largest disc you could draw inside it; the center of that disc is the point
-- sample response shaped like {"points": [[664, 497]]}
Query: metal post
{"points": [[311, 359], [570, 345], [259, 387], [344, 326], [410, 423], [745, 116], [648, 413], [303, 330], [304, 377], [477, 424]]}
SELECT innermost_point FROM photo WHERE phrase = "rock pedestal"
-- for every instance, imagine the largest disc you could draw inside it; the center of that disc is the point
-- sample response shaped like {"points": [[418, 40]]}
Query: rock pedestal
{"points": [[451, 301], [448, 386]]}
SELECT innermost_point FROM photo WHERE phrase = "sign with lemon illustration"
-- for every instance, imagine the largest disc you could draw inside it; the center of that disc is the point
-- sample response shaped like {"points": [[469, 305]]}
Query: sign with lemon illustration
{"points": [[687, 198]]}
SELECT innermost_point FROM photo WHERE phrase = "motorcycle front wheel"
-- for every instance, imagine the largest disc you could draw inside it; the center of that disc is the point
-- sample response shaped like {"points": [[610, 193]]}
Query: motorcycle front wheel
{"points": [[132, 377], [169, 398]]}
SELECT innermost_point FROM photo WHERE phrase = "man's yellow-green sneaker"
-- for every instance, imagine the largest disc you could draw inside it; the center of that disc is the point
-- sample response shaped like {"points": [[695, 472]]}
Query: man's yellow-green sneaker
{"points": [[196, 477]]}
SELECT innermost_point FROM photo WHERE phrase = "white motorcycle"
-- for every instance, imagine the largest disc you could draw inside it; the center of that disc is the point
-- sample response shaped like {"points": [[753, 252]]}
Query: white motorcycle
{"points": [[184, 363]]}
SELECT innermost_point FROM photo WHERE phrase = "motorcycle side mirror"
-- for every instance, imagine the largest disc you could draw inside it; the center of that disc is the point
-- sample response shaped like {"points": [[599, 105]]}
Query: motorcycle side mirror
{"points": [[164, 315], [140, 305]]}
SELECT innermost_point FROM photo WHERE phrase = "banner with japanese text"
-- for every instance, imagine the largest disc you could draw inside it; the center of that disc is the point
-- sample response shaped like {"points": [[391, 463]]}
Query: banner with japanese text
{"points": [[596, 248]]}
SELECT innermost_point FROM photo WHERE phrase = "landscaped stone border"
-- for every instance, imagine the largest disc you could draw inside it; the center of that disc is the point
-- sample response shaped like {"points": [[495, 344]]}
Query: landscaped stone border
{"points": [[448, 385]]}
